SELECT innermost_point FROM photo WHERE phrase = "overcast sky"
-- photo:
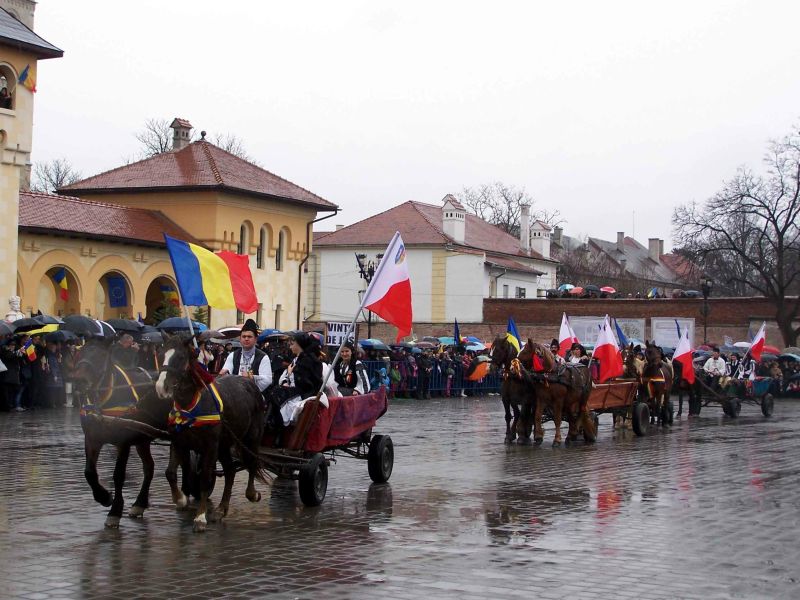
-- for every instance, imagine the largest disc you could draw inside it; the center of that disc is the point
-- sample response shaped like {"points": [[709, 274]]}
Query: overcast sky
{"points": [[613, 112]]}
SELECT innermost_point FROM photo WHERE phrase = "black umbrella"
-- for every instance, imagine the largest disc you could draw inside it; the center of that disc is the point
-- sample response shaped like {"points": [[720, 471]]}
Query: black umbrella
{"points": [[127, 325], [62, 335], [49, 320], [27, 324], [591, 288], [84, 326], [6, 328], [174, 324], [148, 329], [154, 337]]}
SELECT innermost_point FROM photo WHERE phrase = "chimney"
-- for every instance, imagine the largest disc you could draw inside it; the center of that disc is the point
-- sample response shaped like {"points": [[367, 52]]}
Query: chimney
{"points": [[557, 233], [621, 241], [653, 247], [525, 228], [660, 247], [182, 133], [338, 227]]}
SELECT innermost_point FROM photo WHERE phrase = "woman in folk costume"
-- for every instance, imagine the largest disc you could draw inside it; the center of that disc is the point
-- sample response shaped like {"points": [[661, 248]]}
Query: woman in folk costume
{"points": [[301, 380], [351, 374], [578, 355]]}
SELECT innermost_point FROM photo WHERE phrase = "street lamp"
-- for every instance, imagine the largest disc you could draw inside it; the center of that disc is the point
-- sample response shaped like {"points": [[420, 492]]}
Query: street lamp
{"points": [[705, 287], [367, 272]]}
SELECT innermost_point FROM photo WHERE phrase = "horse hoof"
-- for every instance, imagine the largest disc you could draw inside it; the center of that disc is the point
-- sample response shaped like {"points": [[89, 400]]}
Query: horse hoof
{"points": [[556, 443], [112, 522], [256, 497], [524, 441], [182, 502], [199, 525], [104, 498], [538, 441], [136, 512], [215, 515], [509, 440]]}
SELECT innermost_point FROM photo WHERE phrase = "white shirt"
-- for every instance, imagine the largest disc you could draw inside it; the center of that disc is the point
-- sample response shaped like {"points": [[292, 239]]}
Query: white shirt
{"points": [[714, 366], [264, 376]]}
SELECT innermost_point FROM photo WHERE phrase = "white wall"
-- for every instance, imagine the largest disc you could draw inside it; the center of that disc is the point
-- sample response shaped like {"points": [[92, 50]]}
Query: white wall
{"points": [[466, 287]]}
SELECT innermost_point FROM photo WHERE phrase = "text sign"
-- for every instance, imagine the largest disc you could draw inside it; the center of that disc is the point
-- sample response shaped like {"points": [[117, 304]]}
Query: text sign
{"points": [[336, 333]]}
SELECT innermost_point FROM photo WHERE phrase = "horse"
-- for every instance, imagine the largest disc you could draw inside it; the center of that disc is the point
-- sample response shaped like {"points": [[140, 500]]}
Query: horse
{"points": [[694, 391], [211, 418], [565, 393], [633, 365], [514, 392], [657, 377], [106, 389]]}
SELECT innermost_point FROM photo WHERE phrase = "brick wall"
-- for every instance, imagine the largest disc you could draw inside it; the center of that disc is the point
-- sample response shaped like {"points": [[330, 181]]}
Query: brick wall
{"points": [[540, 319]]}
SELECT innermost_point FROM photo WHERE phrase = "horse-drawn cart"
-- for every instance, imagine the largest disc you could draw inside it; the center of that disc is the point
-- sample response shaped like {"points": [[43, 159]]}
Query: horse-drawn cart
{"points": [[343, 428], [618, 397], [733, 395]]}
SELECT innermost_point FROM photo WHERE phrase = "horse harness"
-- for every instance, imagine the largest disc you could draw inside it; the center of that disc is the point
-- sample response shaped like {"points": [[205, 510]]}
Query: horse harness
{"points": [[121, 407], [194, 415]]}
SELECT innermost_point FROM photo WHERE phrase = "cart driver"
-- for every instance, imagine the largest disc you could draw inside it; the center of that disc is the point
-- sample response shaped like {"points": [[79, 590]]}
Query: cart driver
{"points": [[714, 368], [249, 361]]}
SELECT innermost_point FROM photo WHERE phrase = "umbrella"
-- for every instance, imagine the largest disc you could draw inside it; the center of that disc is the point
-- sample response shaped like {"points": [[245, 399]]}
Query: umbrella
{"points": [[81, 325], [49, 320], [565, 287], [126, 325], [473, 339], [433, 340], [608, 289], [154, 337], [481, 370], [576, 290], [591, 288], [269, 334], [744, 345], [474, 347], [692, 294], [791, 350], [62, 335], [230, 333], [426, 345], [27, 324], [790, 357], [174, 324], [44, 329], [447, 341], [373, 344], [6, 328], [416, 351]]}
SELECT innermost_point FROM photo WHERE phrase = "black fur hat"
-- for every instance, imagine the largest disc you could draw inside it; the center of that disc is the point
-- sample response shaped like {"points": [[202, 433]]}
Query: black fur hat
{"points": [[250, 325]]}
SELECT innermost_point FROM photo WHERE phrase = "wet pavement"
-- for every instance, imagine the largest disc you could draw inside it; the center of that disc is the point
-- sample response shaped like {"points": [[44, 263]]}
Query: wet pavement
{"points": [[708, 509]]}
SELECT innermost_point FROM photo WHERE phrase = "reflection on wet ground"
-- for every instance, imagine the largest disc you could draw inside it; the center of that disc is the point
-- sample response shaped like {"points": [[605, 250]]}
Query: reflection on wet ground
{"points": [[707, 509]]}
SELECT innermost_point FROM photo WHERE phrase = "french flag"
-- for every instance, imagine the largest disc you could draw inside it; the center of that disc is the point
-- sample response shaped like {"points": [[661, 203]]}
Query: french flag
{"points": [[683, 355], [389, 293], [607, 353], [566, 337]]}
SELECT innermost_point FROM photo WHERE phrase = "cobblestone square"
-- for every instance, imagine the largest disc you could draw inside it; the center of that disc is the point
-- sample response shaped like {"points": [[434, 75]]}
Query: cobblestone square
{"points": [[707, 509]]}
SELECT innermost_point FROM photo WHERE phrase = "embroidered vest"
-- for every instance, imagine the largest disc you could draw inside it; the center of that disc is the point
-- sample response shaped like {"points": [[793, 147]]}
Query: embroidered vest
{"points": [[237, 360]]}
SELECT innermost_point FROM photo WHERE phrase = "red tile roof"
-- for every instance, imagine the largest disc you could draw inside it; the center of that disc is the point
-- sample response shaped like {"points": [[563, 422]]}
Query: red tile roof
{"points": [[181, 123], [200, 165], [421, 224], [65, 215], [512, 265]]}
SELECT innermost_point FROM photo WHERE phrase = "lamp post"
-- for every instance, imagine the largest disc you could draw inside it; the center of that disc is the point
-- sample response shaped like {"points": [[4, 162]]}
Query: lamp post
{"points": [[705, 287], [367, 272]]}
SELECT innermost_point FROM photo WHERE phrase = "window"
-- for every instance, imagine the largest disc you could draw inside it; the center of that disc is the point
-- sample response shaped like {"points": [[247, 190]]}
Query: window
{"points": [[262, 248], [242, 240], [505, 291], [281, 250], [520, 292], [239, 316], [7, 83]]}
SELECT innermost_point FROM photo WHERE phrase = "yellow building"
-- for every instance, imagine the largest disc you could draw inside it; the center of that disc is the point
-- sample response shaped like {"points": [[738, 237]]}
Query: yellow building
{"points": [[20, 50], [109, 241]]}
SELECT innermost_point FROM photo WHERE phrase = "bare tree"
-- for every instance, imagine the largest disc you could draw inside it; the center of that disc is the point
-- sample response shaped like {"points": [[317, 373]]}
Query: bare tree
{"points": [[233, 144], [501, 205], [155, 137], [53, 175], [748, 233]]}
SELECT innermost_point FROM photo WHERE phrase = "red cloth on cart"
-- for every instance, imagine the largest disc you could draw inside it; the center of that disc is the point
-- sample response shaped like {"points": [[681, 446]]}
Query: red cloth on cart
{"points": [[345, 419]]}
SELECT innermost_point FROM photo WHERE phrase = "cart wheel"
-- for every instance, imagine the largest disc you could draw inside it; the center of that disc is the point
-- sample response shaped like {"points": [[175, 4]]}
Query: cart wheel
{"points": [[767, 404], [312, 481], [641, 418], [732, 407], [380, 459]]}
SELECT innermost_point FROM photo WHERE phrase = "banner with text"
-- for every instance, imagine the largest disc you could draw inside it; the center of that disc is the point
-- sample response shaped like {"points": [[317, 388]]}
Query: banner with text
{"points": [[336, 333]]}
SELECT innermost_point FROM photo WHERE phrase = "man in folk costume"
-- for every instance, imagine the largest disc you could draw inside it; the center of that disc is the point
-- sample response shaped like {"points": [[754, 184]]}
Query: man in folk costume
{"points": [[249, 361]]}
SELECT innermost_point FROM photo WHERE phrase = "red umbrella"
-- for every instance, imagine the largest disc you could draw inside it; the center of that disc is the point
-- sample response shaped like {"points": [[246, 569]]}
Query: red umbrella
{"points": [[576, 290], [608, 289]]}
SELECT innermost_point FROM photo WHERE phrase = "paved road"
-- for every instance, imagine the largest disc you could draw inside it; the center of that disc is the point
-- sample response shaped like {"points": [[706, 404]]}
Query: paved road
{"points": [[706, 510]]}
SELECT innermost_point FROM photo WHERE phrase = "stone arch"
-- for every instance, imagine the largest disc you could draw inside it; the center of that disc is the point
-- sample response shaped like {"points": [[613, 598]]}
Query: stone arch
{"points": [[11, 75], [265, 238], [49, 298], [245, 237], [43, 264], [283, 248], [98, 297], [114, 295]]}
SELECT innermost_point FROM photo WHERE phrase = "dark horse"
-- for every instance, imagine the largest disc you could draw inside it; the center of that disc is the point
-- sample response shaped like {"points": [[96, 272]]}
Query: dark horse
{"points": [[108, 390], [657, 378], [514, 392], [213, 420], [564, 392]]}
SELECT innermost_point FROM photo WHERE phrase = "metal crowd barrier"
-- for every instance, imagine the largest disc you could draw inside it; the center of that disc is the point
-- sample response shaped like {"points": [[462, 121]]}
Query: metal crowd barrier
{"points": [[409, 384]]}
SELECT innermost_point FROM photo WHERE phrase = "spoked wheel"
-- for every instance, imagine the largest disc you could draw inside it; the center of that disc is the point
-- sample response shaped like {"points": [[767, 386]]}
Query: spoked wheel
{"points": [[767, 405], [312, 482], [641, 418], [380, 459], [732, 407]]}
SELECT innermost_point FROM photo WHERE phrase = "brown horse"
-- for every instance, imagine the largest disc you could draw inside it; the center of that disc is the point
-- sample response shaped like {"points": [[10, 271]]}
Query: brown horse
{"points": [[634, 366], [108, 390], [514, 392], [657, 381], [565, 393], [214, 420]]}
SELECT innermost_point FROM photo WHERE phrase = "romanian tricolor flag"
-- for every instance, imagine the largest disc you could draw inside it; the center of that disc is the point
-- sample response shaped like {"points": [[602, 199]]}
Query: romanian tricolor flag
{"points": [[220, 280], [60, 278], [30, 350], [26, 79], [512, 335], [170, 294]]}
